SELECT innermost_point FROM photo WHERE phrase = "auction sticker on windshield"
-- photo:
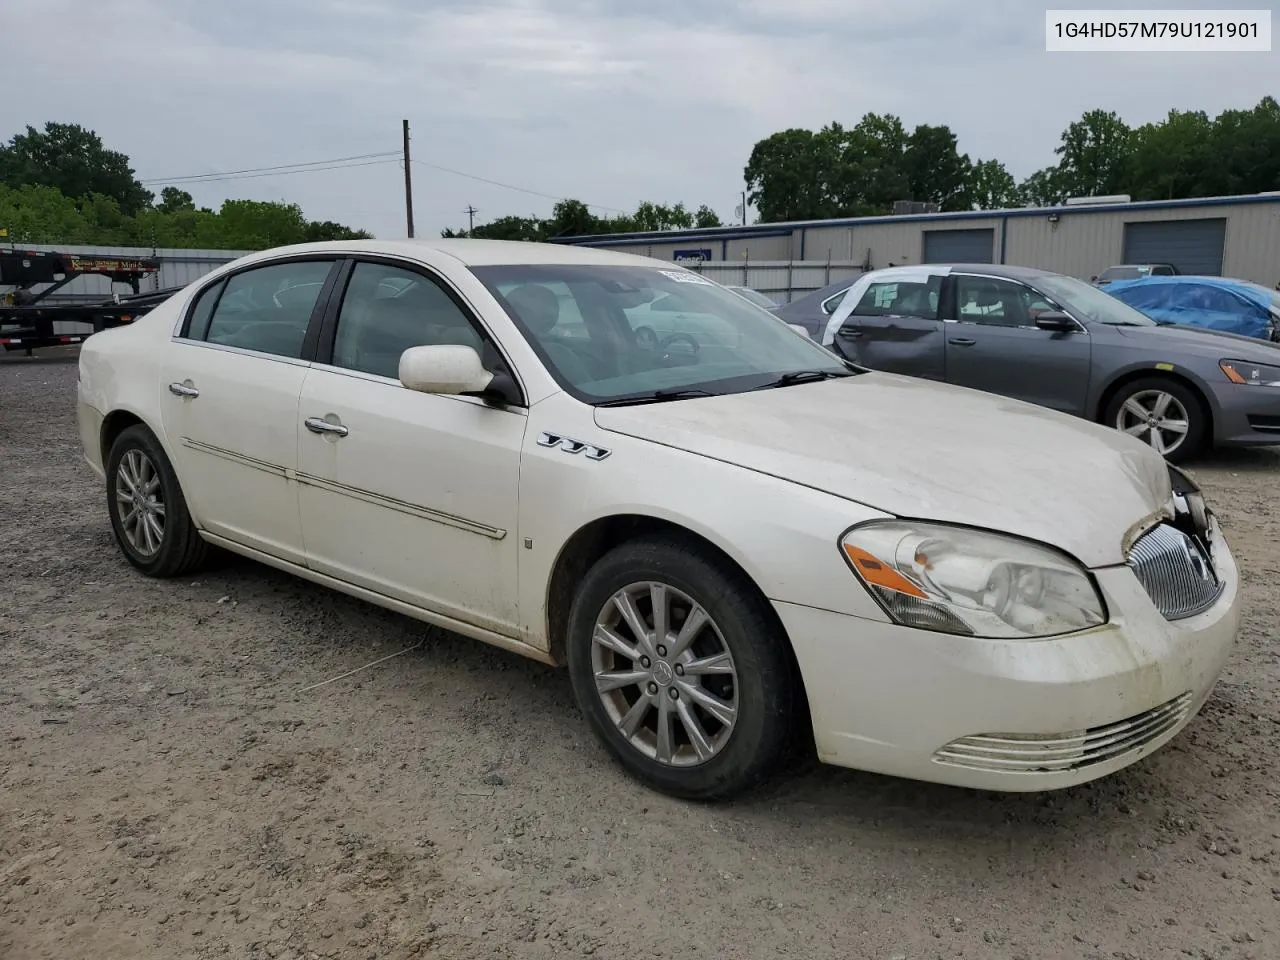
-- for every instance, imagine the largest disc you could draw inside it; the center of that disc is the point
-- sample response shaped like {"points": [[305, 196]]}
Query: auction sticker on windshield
{"points": [[679, 277]]}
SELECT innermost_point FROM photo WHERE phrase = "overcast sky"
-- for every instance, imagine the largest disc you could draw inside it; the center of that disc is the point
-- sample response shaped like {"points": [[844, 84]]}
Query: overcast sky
{"points": [[609, 101]]}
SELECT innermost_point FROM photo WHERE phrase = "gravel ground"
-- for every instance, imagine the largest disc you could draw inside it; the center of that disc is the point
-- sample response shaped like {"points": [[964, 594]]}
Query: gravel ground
{"points": [[168, 789]]}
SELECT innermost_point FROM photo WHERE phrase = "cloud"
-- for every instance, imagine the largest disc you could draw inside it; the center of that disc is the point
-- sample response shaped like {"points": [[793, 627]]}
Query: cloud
{"points": [[606, 100]]}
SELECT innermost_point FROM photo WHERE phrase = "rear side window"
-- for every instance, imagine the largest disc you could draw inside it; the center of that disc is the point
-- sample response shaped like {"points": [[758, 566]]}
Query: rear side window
{"points": [[829, 305], [901, 299], [266, 309], [202, 313]]}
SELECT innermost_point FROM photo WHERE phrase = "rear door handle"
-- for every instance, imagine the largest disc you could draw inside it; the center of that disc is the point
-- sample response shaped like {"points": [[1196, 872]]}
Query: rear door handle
{"points": [[320, 425], [182, 390], [849, 334], [962, 341]]}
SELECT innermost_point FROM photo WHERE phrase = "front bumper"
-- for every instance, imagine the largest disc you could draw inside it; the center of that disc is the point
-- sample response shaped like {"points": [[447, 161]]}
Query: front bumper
{"points": [[1246, 416], [1014, 716]]}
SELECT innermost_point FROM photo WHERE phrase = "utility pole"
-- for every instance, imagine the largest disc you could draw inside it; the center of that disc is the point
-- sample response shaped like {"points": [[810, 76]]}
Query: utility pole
{"points": [[471, 219], [744, 208], [408, 183]]}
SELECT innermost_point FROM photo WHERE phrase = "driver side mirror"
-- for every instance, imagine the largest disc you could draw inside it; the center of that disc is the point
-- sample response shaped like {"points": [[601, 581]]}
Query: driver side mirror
{"points": [[1057, 321], [453, 370]]}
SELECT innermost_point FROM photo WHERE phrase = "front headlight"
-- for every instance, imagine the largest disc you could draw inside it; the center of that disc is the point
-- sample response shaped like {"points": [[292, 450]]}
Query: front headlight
{"points": [[1251, 374], [970, 582]]}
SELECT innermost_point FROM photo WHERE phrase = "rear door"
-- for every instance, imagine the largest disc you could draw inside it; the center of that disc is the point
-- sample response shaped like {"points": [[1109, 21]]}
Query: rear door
{"points": [[895, 325], [993, 344], [230, 403]]}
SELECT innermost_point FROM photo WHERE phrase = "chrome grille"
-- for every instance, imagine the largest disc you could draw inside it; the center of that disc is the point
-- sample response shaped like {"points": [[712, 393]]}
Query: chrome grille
{"points": [[1056, 752], [1175, 571]]}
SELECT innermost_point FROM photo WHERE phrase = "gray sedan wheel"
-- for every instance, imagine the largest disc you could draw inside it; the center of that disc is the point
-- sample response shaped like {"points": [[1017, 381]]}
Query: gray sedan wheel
{"points": [[1162, 413]]}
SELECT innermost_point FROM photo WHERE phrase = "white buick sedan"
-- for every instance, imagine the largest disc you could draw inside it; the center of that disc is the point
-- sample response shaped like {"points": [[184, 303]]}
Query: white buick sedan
{"points": [[729, 542]]}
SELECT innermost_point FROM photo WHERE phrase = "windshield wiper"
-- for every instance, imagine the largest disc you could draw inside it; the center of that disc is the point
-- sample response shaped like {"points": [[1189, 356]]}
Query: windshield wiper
{"points": [[804, 376], [657, 396]]}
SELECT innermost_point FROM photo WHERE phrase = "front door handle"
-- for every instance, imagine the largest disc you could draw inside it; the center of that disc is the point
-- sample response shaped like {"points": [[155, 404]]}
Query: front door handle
{"points": [[320, 425], [182, 390], [849, 334], [962, 341]]}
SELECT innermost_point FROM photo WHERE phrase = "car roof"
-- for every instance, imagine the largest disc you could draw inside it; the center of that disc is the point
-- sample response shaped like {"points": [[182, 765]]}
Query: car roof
{"points": [[475, 253], [1006, 271]]}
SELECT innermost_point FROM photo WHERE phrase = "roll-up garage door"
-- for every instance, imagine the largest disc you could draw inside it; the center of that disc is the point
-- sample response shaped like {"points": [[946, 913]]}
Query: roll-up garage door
{"points": [[1193, 246], [959, 246]]}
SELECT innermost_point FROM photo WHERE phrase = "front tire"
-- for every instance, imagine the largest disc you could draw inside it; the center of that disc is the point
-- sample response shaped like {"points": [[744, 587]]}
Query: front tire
{"points": [[148, 512], [1163, 413], [681, 669]]}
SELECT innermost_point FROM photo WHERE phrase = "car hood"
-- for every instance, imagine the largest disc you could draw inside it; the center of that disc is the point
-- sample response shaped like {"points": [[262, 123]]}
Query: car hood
{"points": [[1202, 342], [923, 450]]}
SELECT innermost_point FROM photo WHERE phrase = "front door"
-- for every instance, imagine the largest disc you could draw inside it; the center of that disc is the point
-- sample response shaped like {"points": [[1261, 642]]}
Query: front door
{"points": [[895, 327], [994, 345], [411, 495], [230, 404]]}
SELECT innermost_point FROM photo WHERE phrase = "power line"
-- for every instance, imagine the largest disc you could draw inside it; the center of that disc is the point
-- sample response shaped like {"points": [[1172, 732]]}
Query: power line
{"points": [[509, 186], [286, 167], [281, 173], [345, 163]]}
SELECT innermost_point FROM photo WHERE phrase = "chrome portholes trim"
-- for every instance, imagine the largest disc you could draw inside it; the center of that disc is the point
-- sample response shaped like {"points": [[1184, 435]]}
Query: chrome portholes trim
{"points": [[570, 445]]}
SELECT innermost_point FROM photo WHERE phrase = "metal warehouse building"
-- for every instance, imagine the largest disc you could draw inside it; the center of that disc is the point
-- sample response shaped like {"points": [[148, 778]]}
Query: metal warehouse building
{"points": [[1226, 236]]}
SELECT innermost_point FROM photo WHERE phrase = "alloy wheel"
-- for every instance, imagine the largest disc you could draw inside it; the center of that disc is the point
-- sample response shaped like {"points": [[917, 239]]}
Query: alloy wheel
{"points": [[140, 502], [665, 675], [1157, 417]]}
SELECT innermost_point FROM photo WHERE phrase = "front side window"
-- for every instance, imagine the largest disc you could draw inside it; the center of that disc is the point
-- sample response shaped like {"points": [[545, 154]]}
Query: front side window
{"points": [[614, 333], [266, 309], [996, 302], [386, 310]]}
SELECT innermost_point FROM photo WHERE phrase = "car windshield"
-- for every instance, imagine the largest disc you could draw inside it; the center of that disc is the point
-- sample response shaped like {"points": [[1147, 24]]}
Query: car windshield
{"points": [[1272, 296], [1123, 273], [610, 333], [1091, 303]]}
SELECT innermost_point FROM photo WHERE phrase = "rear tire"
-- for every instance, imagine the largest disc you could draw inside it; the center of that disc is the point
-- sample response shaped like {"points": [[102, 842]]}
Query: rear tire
{"points": [[148, 511], [1162, 401], [724, 690]]}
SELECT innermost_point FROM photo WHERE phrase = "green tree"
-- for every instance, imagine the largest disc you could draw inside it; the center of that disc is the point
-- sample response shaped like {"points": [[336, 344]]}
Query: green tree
{"points": [[255, 224], [35, 214], [328, 230], [1094, 155], [706, 217], [571, 218], [1245, 150], [1171, 158], [172, 200], [870, 173], [936, 171], [991, 187], [73, 160], [655, 216], [1044, 188], [788, 175]]}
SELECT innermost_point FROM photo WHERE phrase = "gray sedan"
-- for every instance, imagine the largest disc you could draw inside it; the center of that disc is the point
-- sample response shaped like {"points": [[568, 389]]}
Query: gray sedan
{"points": [[1062, 343]]}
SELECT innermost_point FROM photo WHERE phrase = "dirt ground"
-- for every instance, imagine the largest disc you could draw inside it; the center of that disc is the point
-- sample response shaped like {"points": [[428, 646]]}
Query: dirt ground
{"points": [[168, 789]]}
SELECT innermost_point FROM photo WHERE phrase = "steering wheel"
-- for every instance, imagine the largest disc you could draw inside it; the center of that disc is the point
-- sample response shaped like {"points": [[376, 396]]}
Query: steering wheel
{"points": [[681, 336]]}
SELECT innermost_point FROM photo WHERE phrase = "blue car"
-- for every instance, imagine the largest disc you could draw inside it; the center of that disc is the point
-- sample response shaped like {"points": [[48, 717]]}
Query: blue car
{"points": [[1214, 303]]}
